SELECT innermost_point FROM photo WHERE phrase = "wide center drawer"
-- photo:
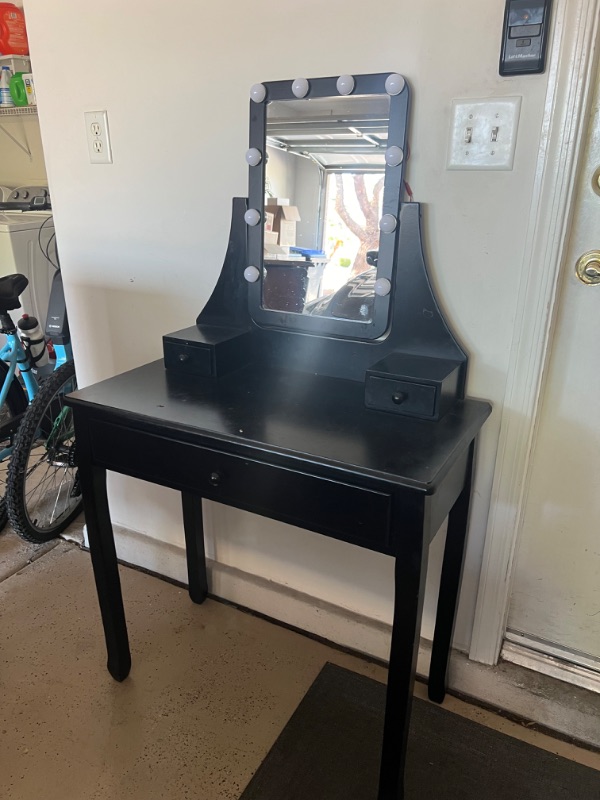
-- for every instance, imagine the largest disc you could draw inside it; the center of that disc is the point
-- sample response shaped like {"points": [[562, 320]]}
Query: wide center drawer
{"points": [[352, 513]]}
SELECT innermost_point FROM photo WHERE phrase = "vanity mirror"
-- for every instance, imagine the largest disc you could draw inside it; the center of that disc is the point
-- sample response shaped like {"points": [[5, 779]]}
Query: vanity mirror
{"points": [[325, 272], [326, 161]]}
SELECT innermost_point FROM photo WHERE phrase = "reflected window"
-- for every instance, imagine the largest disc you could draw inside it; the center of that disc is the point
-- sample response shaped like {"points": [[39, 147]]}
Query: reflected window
{"points": [[353, 208]]}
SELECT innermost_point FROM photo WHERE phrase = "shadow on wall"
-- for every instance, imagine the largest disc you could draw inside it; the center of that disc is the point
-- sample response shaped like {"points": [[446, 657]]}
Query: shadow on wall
{"points": [[123, 328]]}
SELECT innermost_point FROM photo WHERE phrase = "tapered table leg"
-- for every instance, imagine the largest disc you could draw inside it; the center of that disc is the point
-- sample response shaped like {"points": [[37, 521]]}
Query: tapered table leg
{"points": [[104, 562], [452, 569], [194, 546], [410, 574]]}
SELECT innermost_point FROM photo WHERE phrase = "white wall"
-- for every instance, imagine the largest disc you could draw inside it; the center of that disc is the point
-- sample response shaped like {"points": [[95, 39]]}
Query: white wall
{"points": [[142, 241], [281, 175]]}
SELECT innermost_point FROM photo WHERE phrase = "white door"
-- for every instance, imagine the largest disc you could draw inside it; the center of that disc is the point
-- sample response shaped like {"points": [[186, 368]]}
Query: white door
{"points": [[555, 602]]}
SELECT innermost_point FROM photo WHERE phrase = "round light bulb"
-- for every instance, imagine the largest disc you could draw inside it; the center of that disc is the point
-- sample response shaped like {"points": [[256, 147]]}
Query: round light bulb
{"points": [[251, 274], [258, 92], [382, 287], [387, 224], [253, 156], [394, 156], [394, 83], [252, 216], [345, 84], [300, 87]]}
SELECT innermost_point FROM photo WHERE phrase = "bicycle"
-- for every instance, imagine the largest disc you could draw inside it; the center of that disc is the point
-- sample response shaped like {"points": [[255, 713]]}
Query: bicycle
{"points": [[40, 488]]}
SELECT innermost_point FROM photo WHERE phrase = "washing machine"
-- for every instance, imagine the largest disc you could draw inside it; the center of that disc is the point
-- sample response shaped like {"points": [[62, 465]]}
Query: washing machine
{"points": [[27, 246]]}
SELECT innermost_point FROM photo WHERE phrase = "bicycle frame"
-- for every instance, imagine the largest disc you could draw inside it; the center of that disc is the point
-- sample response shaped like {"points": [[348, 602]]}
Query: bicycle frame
{"points": [[64, 353], [13, 353]]}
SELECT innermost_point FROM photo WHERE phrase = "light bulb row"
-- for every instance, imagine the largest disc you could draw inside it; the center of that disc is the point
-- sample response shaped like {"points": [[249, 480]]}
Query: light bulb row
{"points": [[345, 84], [382, 285], [387, 224], [394, 156]]}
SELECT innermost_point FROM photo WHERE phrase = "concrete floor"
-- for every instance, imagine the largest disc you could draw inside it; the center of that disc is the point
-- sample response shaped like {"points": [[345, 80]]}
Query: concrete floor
{"points": [[211, 688]]}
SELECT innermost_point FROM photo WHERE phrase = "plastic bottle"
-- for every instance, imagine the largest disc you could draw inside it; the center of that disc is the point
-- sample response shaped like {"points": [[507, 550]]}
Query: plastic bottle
{"points": [[33, 340], [5, 98], [17, 90], [13, 34]]}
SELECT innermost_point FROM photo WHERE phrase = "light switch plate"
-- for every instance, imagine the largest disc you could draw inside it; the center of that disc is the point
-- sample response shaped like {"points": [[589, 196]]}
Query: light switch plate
{"points": [[96, 125], [483, 133]]}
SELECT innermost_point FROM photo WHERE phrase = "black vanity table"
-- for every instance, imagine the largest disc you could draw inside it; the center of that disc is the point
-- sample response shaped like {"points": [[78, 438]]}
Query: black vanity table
{"points": [[356, 429]]}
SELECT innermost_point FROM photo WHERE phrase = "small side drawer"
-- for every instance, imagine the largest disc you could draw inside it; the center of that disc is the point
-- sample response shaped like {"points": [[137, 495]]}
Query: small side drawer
{"points": [[351, 513], [413, 385], [388, 394], [207, 350], [190, 358]]}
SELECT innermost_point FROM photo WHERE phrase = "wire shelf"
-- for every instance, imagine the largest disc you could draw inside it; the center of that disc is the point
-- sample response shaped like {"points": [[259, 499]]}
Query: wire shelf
{"points": [[18, 111]]}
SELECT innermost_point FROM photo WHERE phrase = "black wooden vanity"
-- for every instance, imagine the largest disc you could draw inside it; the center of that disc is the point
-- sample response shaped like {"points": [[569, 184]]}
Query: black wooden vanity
{"points": [[357, 429]]}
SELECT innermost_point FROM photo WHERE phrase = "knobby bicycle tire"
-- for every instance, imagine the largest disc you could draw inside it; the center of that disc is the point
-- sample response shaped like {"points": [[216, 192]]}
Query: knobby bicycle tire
{"points": [[16, 403], [43, 495]]}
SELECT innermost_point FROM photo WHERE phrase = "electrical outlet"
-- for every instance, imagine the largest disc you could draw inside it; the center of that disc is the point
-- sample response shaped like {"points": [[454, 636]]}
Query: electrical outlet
{"points": [[96, 125], [484, 133]]}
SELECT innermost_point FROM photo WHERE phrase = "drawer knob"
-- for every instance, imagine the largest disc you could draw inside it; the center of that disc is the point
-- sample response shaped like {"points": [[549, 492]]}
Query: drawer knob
{"points": [[183, 357], [398, 398], [215, 478]]}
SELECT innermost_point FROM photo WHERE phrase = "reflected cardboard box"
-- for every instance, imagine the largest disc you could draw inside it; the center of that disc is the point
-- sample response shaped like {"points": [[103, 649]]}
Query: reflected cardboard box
{"points": [[284, 222]]}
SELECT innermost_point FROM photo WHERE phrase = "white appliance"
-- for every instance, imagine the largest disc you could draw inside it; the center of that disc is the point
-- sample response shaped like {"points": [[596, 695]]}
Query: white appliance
{"points": [[5, 193], [20, 251]]}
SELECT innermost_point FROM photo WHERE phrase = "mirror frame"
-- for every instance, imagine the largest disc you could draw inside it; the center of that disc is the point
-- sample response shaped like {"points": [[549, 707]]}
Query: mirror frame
{"points": [[374, 84]]}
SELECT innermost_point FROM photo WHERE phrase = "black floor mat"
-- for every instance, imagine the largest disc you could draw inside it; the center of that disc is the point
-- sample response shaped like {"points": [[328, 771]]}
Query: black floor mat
{"points": [[330, 748]]}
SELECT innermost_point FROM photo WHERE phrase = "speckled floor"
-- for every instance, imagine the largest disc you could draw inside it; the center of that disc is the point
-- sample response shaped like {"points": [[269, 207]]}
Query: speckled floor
{"points": [[210, 689]]}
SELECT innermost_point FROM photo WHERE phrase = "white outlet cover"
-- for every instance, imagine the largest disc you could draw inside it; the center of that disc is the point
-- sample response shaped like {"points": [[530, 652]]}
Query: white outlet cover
{"points": [[477, 120], [98, 139]]}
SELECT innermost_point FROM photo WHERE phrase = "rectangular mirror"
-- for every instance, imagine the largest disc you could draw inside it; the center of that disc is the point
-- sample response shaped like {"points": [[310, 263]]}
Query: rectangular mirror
{"points": [[330, 169]]}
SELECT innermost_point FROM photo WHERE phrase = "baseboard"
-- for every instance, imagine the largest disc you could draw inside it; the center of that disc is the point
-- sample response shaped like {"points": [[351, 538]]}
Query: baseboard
{"points": [[345, 628], [567, 710]]}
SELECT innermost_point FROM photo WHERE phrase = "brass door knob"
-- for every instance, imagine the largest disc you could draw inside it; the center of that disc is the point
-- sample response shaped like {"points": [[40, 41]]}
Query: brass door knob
{"points": [[588, 268]]}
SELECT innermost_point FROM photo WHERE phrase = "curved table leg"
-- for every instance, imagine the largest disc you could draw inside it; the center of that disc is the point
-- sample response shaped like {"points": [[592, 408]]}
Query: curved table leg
{"points": [[104, 562], [452, 569]]}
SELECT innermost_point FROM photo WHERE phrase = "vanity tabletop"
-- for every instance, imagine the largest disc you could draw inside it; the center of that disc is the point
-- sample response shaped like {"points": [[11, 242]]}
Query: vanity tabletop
{"points": [[291, 418]]}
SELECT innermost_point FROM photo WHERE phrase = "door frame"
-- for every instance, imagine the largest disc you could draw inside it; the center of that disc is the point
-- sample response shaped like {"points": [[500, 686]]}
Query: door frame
{"points": [[572, 71]]}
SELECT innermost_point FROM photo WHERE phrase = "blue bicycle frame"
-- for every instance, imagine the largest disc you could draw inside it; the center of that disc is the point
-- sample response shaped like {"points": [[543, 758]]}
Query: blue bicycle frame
{"points": [[14, 354], [64, 353]]}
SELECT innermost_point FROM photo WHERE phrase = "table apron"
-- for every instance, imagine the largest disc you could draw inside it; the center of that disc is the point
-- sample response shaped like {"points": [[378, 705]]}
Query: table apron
{"points": [[341, 510]]}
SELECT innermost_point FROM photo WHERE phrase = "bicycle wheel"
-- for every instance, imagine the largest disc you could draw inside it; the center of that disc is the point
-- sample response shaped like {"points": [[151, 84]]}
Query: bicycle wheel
{"points": [[11, 411], [43, 495]]}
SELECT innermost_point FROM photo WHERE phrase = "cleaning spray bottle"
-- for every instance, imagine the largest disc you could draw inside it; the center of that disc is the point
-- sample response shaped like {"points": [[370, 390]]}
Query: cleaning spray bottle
{"points": [[6, 100]]}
